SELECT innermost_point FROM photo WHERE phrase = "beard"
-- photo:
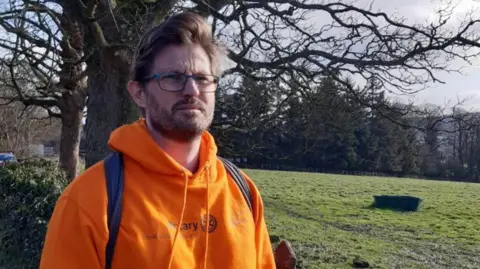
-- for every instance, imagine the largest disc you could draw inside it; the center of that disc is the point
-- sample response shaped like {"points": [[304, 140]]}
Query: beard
{"points": [[176, 124]]}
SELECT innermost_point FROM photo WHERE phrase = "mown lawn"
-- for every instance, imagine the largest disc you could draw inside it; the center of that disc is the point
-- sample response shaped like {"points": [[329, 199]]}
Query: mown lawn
{"points": [[329, 221]]}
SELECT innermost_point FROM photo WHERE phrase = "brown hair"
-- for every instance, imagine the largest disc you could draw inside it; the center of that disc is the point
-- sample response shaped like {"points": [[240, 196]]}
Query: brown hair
{"points": [[181, 29]]}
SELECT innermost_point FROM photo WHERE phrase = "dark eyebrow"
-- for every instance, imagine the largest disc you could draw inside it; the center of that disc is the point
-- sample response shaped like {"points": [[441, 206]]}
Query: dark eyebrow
{"points": [[175, 71]]}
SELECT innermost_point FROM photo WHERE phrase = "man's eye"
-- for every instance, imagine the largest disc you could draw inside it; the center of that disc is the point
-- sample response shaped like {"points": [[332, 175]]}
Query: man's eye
{"points": [[174, 77], [203, 79]]}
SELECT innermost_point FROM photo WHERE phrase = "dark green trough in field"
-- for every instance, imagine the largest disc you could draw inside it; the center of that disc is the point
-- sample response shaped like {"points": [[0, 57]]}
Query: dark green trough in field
{"points": [[398, 203]]}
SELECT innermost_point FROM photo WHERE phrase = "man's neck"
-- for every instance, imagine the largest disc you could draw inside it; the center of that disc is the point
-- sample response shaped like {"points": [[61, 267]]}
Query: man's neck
{"points": [[186, 154]]}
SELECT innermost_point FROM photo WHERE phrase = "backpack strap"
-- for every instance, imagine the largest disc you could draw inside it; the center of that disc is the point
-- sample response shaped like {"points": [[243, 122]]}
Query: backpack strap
{"points": [[114, 178], [240, 180]]}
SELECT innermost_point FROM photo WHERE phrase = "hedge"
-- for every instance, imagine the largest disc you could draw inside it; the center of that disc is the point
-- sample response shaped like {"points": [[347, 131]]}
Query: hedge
{"points": [[28, 192]]}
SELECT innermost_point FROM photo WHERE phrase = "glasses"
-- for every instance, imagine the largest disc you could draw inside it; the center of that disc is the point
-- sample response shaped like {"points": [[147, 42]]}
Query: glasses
{"points": [[173, 82]]}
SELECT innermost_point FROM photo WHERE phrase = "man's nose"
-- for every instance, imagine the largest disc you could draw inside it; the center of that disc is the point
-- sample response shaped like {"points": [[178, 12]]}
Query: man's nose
{"points": [[191, 88]]}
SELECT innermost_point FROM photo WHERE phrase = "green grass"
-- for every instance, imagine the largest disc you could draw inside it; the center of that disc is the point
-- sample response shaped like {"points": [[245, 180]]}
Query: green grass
{"points": [[329, 221]]}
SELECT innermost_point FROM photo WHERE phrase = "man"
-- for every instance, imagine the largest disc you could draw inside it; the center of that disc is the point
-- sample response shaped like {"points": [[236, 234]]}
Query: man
{"points": [[181, 209]]}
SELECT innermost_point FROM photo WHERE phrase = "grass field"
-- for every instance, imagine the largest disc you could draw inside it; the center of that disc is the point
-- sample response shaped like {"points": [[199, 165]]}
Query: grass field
{"points": [[329, 221]]}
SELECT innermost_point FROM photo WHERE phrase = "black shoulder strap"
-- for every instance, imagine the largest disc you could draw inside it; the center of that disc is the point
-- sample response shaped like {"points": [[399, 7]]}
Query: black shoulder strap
{"points": [[233, 170], [114, 179]]}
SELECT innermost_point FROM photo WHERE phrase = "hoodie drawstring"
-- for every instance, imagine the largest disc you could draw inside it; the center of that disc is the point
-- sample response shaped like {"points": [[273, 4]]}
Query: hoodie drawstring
{"points": [[207, 224], [181, 219]]}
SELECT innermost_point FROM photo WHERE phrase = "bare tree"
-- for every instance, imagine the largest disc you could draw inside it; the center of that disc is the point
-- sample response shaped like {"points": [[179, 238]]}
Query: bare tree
{"points": [[64, 42], [463, 144], [296, 39], [276, 40], [111, 33], [23, 126], [269, 40], [43, 65]]}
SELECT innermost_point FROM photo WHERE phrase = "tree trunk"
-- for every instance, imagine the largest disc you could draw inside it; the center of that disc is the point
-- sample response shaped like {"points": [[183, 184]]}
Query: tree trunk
{"points": [[73, 81], [72, 114], [109, 104]]}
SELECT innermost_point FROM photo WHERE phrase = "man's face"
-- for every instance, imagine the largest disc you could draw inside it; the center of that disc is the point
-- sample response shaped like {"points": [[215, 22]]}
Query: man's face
{"points": [[185, 114]]}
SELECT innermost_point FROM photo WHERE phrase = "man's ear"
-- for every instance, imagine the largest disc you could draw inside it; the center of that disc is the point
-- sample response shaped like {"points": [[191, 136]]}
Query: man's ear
{"points": [[137, 92]]}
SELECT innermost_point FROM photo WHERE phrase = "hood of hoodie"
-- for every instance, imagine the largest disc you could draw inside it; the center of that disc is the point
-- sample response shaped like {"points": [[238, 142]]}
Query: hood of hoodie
{"points": [[136, 143]]}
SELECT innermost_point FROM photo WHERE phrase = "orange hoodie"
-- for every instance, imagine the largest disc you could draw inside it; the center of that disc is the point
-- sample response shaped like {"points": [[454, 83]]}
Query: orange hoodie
{"points": [[163, 220]]}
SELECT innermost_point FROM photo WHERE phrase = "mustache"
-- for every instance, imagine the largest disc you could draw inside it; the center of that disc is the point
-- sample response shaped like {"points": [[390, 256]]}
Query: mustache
{"points": [[189, 101]]}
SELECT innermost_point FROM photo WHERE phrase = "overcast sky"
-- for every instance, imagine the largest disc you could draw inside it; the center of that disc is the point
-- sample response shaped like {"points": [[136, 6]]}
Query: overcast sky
{"points": [[456, 85]]}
